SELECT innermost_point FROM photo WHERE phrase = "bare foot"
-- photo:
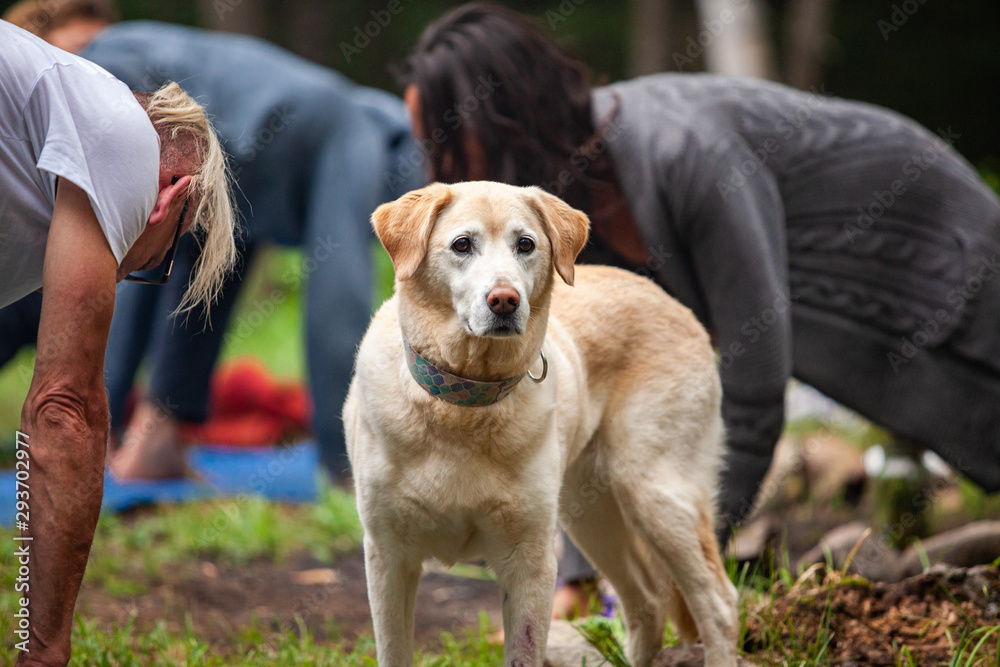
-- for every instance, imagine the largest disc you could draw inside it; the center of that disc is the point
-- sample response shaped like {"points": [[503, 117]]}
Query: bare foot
{"points": [[150, 448], [109, 453]]}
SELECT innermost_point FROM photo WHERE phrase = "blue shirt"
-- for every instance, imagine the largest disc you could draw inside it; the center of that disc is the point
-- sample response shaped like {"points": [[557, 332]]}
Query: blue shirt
{"points": [[277, 114]]}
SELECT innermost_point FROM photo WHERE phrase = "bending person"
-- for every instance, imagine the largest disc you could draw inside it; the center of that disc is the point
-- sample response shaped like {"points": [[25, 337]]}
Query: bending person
{"points": [[313, 155], [815, 237], [96, 182]]}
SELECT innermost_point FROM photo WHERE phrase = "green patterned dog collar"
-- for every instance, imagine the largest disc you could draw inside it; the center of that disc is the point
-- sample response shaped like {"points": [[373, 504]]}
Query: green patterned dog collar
{"points": [[458, 390]]}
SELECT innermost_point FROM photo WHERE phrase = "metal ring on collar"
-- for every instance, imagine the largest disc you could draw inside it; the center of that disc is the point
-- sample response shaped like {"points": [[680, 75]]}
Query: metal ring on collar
{"points": [[545, 368]]}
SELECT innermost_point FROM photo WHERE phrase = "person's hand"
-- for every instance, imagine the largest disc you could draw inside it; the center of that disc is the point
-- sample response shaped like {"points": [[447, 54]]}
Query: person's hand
{"points": [[741, 482]]}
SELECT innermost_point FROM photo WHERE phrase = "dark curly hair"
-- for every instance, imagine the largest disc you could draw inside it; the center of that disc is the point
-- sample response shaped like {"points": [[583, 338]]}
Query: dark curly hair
{"points": [[488, 72]]}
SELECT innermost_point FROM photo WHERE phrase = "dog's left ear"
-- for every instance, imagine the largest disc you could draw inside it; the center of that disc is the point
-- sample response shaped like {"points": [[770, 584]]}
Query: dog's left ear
{"points": [[566, 227], [404, 226]]}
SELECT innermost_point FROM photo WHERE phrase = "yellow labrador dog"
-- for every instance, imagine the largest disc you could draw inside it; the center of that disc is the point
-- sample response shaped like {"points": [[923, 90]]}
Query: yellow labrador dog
{"points": [[491, 401]]}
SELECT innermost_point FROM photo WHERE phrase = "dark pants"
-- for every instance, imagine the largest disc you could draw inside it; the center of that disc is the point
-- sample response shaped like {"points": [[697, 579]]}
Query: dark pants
{"points": [[181, 350], [348, 182], [19, 325]]}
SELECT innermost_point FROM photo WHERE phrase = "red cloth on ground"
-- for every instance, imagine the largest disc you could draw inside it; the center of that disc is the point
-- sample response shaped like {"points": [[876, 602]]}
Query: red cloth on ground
{"points": [[250, 406]]}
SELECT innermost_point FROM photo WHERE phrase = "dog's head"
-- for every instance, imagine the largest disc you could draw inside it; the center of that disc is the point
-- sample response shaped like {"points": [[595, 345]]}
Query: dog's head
{"points": [[488, 249]]}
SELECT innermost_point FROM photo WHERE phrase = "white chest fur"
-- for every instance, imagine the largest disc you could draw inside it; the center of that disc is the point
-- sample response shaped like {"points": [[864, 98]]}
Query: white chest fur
{"points": [[456, 481]]}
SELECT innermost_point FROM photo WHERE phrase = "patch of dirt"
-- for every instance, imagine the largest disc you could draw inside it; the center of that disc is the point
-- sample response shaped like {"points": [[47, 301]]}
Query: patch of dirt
{"points": [[866, 621], [332, 600]]}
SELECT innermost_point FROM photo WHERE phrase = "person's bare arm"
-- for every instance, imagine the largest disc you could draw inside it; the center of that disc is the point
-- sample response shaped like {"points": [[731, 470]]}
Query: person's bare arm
{"points": [[65, 418]]}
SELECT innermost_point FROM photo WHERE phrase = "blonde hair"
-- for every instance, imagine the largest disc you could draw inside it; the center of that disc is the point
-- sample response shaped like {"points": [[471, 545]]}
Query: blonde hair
{"points": [[188, 140]]}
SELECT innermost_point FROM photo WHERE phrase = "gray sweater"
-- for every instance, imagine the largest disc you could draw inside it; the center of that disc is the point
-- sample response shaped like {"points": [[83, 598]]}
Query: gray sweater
{"points": [[831, 240]]}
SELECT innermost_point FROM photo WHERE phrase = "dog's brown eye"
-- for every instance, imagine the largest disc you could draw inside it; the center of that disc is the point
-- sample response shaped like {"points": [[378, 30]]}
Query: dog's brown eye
{"points": [[462, 245], [525, 245]]}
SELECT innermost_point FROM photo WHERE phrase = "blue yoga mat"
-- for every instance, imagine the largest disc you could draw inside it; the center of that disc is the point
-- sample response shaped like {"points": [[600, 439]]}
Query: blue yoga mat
{"points": [[287, 474]]}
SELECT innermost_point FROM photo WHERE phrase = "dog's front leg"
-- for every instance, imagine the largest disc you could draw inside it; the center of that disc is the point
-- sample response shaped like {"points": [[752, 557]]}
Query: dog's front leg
{"points": [[527, 578], [392, 594]]}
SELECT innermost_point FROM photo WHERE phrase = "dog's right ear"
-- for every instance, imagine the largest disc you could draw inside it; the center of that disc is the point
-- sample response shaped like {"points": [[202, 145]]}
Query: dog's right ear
{"points": [[566, 227], [404, 226]]}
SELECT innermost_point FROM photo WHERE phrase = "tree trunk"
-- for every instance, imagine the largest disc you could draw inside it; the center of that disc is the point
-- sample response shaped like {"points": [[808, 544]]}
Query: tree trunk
{"points": [[308, 29], [806, 37], [650, 23], [244, 16], [734, 34]]}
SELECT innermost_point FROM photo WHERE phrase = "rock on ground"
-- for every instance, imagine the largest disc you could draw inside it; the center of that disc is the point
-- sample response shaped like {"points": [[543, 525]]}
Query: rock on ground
{"points": [[567, 648], [976, 543], [693, 656]]}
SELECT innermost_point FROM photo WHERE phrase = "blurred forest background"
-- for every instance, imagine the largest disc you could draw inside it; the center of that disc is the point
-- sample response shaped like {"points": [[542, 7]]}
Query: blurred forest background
{"points": [[937, 61]]}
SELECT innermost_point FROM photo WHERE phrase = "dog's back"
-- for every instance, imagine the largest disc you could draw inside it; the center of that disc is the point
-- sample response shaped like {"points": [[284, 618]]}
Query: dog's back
{"points": [[646, 358]]}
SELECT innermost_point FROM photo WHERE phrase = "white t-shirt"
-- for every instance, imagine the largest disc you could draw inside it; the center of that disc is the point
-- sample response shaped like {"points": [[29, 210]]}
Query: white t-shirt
{"points": [[61, 115]]}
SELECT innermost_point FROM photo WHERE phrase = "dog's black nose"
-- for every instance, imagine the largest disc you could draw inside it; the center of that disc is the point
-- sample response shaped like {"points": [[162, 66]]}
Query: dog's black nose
{"points": [[503, 300]]}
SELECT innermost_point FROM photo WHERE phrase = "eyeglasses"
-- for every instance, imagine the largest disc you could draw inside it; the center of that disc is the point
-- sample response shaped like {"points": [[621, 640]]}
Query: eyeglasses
{"points": [[169, 259]]}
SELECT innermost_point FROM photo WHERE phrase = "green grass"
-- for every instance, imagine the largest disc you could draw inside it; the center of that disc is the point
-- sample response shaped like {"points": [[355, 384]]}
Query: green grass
{"points": [[268, 317], [267, 320], [969, 650], [124, 647], [607, 636], [133, 554], [15, 378], [989, 171], [143, 551], [229, 531], [784, 640]]}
